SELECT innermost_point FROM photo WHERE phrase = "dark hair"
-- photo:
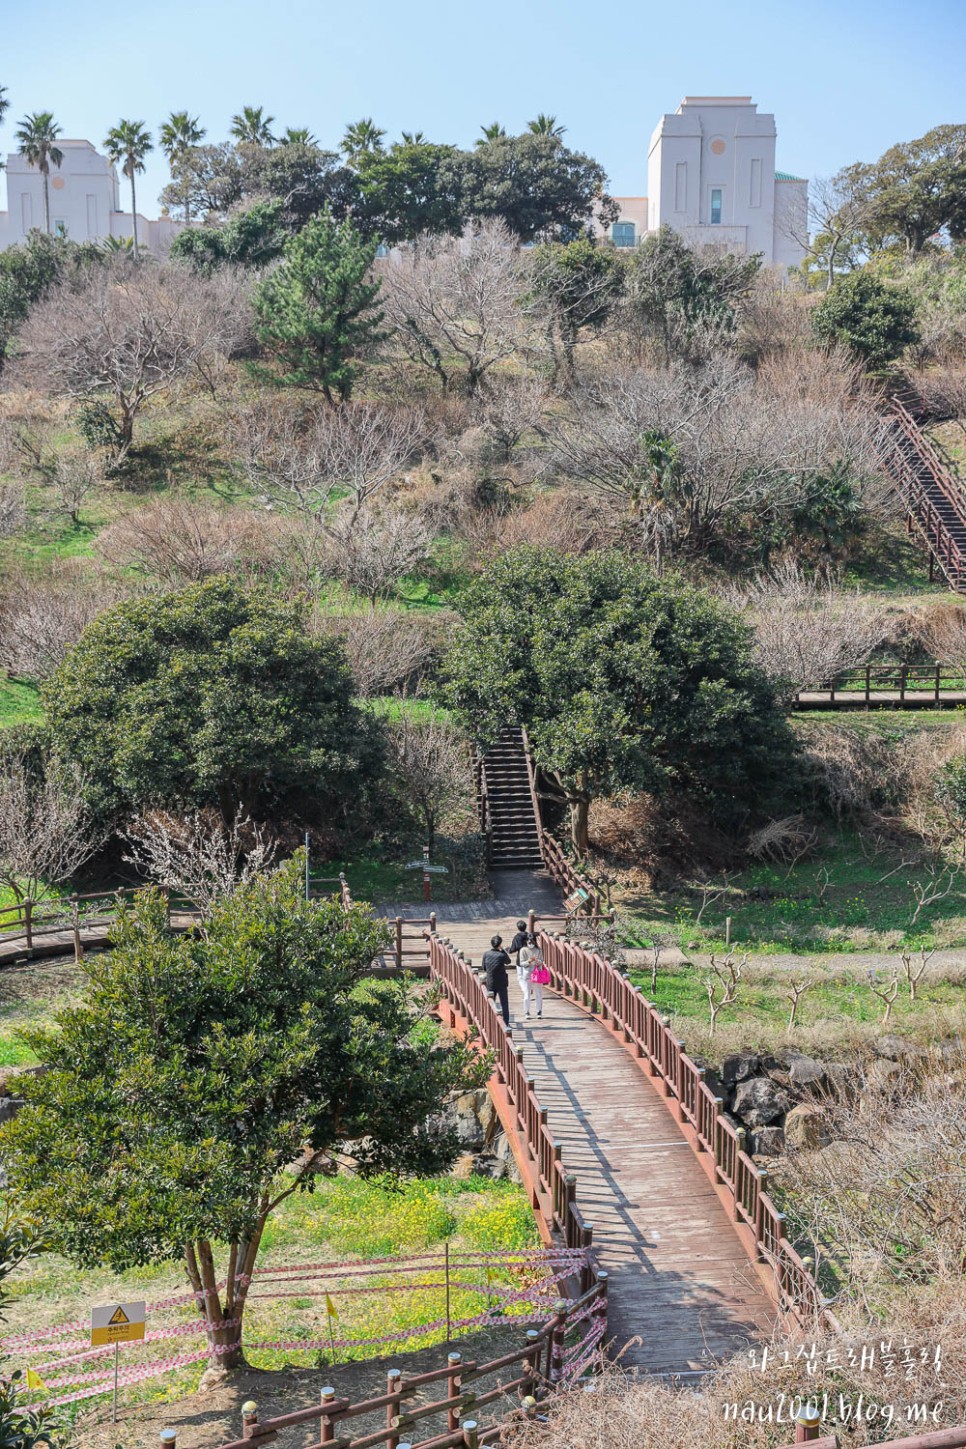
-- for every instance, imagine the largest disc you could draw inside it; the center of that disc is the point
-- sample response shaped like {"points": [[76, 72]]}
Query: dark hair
{"points": [[521, 925], [496, 940], [531, 939]]}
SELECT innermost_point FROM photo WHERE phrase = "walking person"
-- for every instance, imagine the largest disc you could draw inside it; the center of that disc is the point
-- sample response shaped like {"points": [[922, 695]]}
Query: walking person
{"points": [[516, 946], [495, 962], [532, 962]]}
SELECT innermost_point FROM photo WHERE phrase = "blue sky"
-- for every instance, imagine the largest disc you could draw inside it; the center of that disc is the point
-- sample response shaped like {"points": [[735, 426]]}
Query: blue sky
{"points": [[845, 78]]}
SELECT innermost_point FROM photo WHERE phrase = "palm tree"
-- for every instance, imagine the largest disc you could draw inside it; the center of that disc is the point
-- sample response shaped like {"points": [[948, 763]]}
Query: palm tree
{"points": [[179, 133], [251, 127], [298, 136], [493, 132], [4, 103], [129, 143], [414, 138], [545, 126], [36, 135], [361, 138]]}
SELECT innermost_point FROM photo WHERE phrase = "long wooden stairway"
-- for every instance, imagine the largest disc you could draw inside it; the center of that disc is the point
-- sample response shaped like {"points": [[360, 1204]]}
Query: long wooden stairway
{"points": [[508, 804], [931, 490]]}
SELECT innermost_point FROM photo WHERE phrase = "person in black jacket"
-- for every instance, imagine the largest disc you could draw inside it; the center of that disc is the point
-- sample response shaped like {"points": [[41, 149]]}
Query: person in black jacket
{"points": [[495, 962]]}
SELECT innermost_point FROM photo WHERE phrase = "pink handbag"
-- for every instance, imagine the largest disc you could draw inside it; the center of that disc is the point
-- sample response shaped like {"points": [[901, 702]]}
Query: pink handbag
{"points": [[541, 976]]}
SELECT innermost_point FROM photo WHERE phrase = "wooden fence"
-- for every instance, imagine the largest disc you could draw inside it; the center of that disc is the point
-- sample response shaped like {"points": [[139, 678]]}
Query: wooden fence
{"points": [[595, 984], [543, 1363], [926, 497], [938, 1439], [920, 684]]}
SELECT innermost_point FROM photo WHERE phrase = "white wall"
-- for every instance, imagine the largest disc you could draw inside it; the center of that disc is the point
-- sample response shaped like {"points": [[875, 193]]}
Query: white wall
{"points": [[85, 198]]}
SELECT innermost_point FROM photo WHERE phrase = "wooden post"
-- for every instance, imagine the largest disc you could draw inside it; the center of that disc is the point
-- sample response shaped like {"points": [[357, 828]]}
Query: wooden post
{"points": [[166, 890], [532, 921], [393, 1410], [938, 677], [328, 1428], [471, 1437], [454, 1362], [557, 1336], [249, 1419], [169, 1438], [399, 943], [75, 925], [808, 1421], [28, 912], [432, 923], [532, 1362], [760, 1213]]}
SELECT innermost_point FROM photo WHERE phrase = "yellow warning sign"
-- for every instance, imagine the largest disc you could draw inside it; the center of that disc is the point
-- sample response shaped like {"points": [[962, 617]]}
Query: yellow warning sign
{"points": [[117, 1323]]}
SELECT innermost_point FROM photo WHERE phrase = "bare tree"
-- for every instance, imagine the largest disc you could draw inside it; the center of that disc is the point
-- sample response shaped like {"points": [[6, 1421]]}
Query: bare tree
{"points": [[198, 854], [128, 334], [942, 632], [914, 972], [807, 631], [389, 651], [41, 617], [830, 232], [722, 984], [13, 513], [796, 990], [374, 553], [304, 459], [936, 886], [688, 449], [887, 994], [452, 303], [709, 894], [510, 411], [46, 829], [431, 757], [181, 542]]}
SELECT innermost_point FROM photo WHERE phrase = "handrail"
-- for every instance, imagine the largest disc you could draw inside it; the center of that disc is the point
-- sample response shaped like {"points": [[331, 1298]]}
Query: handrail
{"points": [[465, 1004], [954, 1438], [570, 878], [918, 682], [933, 527], [596, 986]]}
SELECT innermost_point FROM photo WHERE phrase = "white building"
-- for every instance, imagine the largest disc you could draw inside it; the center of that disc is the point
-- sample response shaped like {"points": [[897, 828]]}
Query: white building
{"points": [[711, 176], [85, 200]]}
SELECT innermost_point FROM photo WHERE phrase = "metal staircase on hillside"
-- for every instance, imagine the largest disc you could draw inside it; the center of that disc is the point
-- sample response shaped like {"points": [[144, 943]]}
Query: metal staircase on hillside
{"points": [[932, 492], [508, 804]]}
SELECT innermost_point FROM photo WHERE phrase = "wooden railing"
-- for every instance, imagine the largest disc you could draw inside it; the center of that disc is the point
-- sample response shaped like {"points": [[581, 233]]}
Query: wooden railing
{"points": [[938, 1439], [571, 879], [594, 984], [914, 683], [465, 1004], [471, 1417], [942, 544]]}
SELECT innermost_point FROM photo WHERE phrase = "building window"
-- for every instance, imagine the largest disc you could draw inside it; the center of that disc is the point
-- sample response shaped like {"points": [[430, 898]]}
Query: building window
{"points": [[623, 234], [681, 186], [716, 206]]}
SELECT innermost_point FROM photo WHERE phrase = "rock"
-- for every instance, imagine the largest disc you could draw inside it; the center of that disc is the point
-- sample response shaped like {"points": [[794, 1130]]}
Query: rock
{"points": [[760, 1101], [806, 1071], [805, 1127], [768, 1142], [9, 1107], [464, 1166], [473, 1117], [879, 1075], [738, 1068], [896, 1048]]}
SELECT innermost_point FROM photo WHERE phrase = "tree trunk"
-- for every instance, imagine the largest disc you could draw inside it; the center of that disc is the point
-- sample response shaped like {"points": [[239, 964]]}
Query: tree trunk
{"points": [[579, 824], [46, 176], [134, 216]]}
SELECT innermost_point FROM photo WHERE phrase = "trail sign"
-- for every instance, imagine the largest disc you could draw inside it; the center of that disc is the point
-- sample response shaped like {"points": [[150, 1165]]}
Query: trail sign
{"points": [[429, 869], [117, 1323]]}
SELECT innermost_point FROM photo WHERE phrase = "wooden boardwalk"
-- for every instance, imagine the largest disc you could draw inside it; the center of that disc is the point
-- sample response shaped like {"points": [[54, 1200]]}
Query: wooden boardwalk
{"points": [[683, 1292]]}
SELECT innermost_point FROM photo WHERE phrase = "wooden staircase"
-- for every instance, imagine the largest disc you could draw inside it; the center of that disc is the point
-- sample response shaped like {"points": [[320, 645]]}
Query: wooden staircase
{"points": [[932, 492], [508, 804]]}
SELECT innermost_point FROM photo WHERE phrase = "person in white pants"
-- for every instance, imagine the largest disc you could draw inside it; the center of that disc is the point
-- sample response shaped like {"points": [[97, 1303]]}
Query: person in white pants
{"points": [[530, 958]]}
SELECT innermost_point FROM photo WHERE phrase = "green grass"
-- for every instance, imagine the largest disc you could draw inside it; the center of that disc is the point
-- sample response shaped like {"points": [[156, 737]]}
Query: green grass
{"points": [[19, 702], [863, 905]]}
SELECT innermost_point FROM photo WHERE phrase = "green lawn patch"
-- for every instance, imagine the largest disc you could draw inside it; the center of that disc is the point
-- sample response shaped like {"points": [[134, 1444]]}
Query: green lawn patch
{"points": [[19, 702]]}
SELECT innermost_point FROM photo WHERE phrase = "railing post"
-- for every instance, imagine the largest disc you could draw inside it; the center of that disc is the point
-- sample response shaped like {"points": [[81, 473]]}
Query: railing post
{"points": [[28, 921], [760, 1214], [399, 943], [327, 1431], [169, 1438], [532, 1362], [808, 1421], [471, 1436], [75, 926], [531, 921], [393, 1410], [432, 923], [454, 1361], [249, 1419], [557, 1336]]}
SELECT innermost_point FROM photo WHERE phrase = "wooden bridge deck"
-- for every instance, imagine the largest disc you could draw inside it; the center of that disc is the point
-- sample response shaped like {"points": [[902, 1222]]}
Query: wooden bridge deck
{"points": [[681, 1283]]}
